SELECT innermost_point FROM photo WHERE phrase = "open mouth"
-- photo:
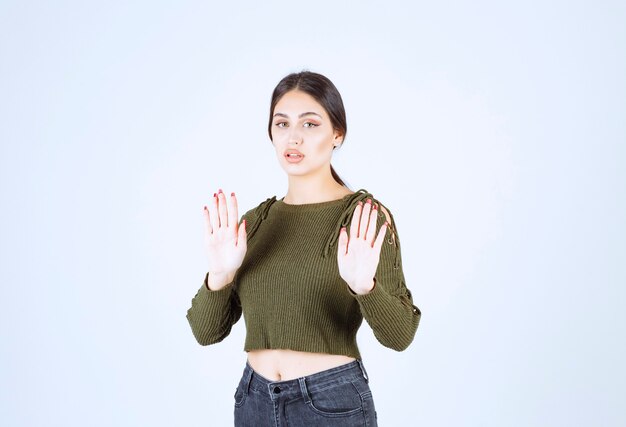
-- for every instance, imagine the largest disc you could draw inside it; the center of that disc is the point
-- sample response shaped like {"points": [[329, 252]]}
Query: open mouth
{"points": [[294, 157]]}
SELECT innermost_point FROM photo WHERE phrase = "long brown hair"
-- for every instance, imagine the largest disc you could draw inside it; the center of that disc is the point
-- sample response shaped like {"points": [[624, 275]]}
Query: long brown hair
{"points": [[324, 92]]}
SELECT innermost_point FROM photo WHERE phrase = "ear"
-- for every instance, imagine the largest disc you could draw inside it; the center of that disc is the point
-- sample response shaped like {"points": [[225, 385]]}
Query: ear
{"points": [[338, 139]]}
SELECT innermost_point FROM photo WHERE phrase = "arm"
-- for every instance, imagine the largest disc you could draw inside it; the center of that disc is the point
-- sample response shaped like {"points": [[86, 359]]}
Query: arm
{"points": [[370, 264], [388, 308], [213, 313]]}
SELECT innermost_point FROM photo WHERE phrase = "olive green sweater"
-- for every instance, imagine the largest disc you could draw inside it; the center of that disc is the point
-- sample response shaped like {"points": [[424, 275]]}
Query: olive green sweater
{"points": [[290, 290]]}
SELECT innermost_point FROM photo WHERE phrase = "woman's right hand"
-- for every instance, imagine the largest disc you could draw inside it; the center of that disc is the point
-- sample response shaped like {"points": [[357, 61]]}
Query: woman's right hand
{"points": [[225, 241]]}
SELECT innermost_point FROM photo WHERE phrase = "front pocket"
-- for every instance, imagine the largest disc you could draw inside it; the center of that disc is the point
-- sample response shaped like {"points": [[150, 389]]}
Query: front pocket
{"points": [[340, 400], [240, 395]]}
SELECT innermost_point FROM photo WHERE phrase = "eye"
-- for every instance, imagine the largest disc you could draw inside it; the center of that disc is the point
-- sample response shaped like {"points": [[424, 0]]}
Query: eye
{"points": [[310, 125], [281, 124]]}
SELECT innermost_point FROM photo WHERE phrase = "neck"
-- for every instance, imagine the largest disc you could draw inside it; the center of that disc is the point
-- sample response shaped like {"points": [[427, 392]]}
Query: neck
{"points": [[313, 189]]}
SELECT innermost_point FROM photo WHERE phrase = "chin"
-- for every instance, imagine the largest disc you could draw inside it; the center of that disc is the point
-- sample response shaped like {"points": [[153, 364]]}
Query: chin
{"points": [[295, 173]]}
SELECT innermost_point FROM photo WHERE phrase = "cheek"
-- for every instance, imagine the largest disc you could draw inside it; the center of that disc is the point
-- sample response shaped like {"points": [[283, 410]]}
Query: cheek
{"points": [[322, 141], [278, 139], [325, 146]]}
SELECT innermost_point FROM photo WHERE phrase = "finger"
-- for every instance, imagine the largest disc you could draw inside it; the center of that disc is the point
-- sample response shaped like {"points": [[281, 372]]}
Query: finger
{"points": [[232, 213], [214, 217], [242, 235], [365, 216], [222, 208], [378, 243], [207, 220], [354, 224], [342, 242], [371, 228]]}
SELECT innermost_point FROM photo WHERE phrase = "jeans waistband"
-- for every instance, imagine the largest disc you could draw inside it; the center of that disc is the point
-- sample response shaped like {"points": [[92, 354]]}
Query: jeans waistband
{"points": [[303, 385]]}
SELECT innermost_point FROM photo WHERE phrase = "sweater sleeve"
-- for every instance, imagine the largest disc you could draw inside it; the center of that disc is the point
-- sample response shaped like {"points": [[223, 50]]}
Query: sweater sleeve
{"points": [[388, 308], [213, 313]]}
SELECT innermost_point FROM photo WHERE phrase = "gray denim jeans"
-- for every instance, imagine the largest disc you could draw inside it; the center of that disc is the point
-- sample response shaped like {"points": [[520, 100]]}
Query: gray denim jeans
{"points": [[336, 397]]}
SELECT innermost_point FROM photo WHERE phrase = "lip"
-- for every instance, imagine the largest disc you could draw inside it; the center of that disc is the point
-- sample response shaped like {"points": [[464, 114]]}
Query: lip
{"points": [[292, 159]]}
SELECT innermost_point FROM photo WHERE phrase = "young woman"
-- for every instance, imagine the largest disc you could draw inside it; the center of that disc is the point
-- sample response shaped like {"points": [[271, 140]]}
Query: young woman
{"points": [[304, 270]]}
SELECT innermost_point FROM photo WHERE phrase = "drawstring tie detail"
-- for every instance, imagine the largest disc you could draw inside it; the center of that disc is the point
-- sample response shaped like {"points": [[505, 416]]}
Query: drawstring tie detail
{"points": [[261, 212]]}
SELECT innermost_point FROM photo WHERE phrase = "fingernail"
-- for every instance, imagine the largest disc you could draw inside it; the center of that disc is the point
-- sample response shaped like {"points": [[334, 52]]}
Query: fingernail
{"points": [[232, 194], [375, 207], [369, 200], [360, 203], [214, 195], [220, 191], [205, 208]]}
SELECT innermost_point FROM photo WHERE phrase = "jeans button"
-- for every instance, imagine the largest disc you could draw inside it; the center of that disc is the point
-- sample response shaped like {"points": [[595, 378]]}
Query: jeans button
{"points": [[276, 390]]}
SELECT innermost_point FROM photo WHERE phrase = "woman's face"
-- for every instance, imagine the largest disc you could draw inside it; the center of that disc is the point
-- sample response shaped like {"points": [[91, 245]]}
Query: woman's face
{"points": [[301, 127]]}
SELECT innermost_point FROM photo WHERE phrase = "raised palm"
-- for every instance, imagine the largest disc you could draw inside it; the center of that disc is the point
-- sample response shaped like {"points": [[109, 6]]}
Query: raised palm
{"points": [[225, 241], [358, 254]]}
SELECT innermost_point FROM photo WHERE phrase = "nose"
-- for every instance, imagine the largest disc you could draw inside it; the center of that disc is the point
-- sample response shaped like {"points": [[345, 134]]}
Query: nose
{"points": [[295, 137]]}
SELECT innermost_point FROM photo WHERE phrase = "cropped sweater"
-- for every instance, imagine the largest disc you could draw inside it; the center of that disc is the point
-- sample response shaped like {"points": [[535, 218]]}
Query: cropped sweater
{"points": [[290, 291]]}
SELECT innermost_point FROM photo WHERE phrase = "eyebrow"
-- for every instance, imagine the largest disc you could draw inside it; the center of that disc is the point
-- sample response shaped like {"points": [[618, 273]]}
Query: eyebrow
{"points": [[300, 116]]}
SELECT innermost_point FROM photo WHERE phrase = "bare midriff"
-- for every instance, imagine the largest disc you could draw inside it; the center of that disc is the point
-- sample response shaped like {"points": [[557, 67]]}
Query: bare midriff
{"points": [[283, 365]]}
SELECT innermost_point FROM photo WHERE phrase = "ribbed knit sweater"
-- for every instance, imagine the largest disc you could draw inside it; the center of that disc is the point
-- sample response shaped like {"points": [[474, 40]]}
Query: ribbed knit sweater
{"points": [[290, 290]]}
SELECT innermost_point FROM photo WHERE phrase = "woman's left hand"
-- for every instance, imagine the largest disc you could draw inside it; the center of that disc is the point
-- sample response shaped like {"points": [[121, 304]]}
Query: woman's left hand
{"points": [[358, 254]]}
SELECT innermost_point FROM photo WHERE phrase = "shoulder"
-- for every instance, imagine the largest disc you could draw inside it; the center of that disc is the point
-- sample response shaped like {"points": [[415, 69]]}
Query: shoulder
{"points": [[387, 215], [256, 215], [259, 210], [363, 195], [386, 212]]}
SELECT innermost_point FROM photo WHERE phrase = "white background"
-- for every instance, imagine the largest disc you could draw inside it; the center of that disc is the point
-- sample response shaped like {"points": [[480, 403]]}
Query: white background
{"points": [[494, 132]]}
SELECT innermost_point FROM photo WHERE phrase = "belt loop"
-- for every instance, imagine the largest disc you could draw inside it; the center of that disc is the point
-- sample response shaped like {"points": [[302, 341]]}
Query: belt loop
{"points": [[363, 370], [248, 378], [304, 391]]}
